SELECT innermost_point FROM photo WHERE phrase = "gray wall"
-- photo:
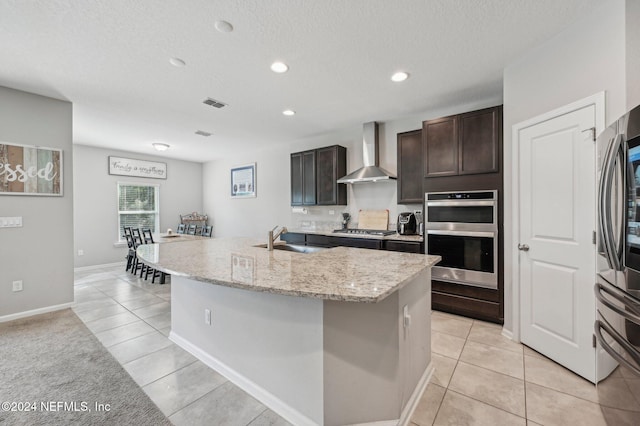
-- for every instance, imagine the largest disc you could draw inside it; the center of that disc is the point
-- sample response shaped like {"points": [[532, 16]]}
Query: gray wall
{"points": [[41, 252], [96, 209], [587, 58]]}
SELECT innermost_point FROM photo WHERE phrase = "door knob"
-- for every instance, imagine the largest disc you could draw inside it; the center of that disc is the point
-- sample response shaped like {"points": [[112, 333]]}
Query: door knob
{"points": [[523, 247]]}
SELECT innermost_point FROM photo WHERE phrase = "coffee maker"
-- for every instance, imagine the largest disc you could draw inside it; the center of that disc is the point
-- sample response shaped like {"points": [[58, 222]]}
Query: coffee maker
{"points": [[407, 224]]}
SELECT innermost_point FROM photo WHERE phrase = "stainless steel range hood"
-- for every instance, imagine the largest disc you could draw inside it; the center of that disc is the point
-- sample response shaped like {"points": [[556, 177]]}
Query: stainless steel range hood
{"points": [[371, 172]]}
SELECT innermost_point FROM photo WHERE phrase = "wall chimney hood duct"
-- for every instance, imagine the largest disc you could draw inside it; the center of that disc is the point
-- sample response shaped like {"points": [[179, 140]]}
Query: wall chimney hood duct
{"points": [[370, 172]]}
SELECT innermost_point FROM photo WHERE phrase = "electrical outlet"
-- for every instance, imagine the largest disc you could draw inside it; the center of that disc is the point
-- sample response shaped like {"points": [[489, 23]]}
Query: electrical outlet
{"points": [[207, 316], [80, 252], [17, 285], [417, 212]]}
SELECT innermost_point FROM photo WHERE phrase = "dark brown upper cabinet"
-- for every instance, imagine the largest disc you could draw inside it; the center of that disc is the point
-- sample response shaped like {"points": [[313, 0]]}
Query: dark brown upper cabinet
{"points": [[331, 164], [410, 168], [440, 146], [314, 174], [303, 178], [463, 144]]}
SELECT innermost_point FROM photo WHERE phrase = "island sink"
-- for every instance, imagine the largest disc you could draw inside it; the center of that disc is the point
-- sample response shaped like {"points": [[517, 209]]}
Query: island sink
{"points": [[294, 248]]}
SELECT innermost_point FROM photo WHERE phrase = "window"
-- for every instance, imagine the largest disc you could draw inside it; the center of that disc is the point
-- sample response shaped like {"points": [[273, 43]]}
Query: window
{"points": [[137, 207]]}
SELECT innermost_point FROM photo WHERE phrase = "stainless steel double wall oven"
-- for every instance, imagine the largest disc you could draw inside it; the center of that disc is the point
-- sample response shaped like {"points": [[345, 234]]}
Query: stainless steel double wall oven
{"points": [[462, 228]]}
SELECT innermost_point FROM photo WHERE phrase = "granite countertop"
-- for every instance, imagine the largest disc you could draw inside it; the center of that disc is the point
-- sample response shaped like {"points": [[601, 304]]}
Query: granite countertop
{"points": [[340, 273], [393, 237]]}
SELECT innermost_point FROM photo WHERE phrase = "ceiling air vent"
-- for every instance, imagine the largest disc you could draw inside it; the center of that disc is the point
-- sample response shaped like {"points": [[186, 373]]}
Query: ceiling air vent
{"points": [[214, 103], [202, 133]]}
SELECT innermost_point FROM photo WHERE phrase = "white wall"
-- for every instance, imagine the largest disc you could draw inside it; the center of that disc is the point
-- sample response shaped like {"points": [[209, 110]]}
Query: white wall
{"points": [[41, 252], [632, 31], [588, 57], [95, 202], [255, 216]]}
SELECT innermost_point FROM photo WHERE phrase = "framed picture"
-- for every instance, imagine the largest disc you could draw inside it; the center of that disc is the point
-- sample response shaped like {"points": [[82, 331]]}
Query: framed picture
{"points": [[30, 170], [137, 168], [243, 181]]}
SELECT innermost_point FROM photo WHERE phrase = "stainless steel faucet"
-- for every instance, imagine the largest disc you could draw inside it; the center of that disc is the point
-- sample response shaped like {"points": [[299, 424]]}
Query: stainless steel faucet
{"points": [[274, 236]]}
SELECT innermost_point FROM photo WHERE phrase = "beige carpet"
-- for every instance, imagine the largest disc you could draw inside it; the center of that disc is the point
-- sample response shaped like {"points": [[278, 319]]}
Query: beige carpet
{"points": [[56, 372]]}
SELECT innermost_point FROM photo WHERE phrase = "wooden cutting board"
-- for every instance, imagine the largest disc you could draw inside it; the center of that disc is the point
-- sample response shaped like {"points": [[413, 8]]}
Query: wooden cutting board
{"points": [[373, 219]]}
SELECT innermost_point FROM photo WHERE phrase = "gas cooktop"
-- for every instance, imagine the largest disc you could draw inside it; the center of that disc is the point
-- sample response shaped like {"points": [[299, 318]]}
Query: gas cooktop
{"points": [[364, 231]]}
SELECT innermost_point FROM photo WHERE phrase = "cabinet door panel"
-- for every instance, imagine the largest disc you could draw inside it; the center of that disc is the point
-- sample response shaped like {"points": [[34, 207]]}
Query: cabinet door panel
{"points": [[296, 179], [410, 174], [309, 178], [479, 141], [326, 159], [441, 146]]}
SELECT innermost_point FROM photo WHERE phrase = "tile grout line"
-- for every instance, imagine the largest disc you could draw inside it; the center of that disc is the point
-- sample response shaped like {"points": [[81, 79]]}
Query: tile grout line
{"points": [[470, 397], [524, 376]]}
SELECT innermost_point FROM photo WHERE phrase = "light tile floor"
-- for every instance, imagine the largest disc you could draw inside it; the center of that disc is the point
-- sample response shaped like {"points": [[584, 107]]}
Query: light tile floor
{"points": [[480, 378]]}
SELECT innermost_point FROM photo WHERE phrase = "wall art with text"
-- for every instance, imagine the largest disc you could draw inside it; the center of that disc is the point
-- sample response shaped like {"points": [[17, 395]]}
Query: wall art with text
{"points": [[30, 170], [138, 168]]}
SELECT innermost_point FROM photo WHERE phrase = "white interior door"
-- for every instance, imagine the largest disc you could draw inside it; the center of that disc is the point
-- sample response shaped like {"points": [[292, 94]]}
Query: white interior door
{"points": [[557, 253]]}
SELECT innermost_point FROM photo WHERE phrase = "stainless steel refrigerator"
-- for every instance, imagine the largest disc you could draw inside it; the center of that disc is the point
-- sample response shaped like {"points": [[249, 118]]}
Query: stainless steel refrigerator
{"points": [[617, 325]]}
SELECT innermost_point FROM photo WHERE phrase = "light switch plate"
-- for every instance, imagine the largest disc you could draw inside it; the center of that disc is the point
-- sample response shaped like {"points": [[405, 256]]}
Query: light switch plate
{"points": [[11, 222]]}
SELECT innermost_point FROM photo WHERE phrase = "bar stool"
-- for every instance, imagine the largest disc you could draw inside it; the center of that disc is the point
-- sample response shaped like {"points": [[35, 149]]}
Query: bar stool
{"points": [[181, 228], [192, 229], [131, 254]]}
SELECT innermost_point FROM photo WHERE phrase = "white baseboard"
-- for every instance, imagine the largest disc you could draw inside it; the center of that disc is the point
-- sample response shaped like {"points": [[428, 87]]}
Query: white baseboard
{"points": [[287, 412], [508, 334], [414, 399], [92, 267], [32, 312]]}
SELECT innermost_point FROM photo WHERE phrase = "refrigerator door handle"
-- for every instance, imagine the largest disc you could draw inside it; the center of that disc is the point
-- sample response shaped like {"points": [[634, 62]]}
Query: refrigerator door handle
{"points": [[633, 353], [631, 303], [613, 253], [604, 204]]}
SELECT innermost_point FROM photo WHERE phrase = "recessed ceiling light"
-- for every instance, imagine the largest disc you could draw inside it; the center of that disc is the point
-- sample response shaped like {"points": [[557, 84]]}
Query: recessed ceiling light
{"points": [[399, 76], [289, 112], [160, 146], [223, 26], [279, 67], [177, 62]]}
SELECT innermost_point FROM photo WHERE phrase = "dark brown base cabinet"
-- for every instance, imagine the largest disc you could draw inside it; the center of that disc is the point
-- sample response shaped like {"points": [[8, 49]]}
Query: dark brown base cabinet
{"points": [[318, 240], [314, 174]]}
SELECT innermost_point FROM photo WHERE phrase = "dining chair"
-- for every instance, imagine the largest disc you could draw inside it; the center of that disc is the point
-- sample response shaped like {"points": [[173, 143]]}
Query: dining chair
{"points": [[207, 231], [181, 228], [147, 236]]}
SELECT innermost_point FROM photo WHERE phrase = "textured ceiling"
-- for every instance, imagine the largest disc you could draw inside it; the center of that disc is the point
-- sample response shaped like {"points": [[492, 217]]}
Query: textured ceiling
{"points": [[111, 59]]}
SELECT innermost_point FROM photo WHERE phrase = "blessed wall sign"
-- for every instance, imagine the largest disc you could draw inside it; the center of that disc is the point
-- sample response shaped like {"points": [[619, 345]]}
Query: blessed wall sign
{"points": [[30, 170]]}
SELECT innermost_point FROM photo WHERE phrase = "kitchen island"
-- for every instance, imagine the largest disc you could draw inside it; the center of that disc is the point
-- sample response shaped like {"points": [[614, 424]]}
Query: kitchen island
{"points": [[339, 336]]}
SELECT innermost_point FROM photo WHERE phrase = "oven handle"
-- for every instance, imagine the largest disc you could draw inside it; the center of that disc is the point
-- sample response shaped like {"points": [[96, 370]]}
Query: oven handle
{"points": [[463, 233], [456, 203], [633, 352]]}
